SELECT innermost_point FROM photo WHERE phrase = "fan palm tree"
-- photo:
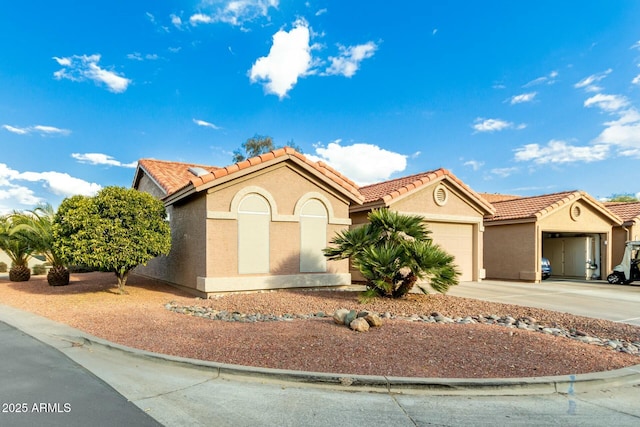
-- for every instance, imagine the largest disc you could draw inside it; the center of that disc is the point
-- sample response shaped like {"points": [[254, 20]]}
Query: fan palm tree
{"points": [[394, 251], [14, 243], [37, 228]]}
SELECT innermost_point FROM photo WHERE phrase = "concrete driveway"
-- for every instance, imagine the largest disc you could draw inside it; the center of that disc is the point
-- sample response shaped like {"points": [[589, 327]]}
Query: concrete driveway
{"points": [[620, 303]]}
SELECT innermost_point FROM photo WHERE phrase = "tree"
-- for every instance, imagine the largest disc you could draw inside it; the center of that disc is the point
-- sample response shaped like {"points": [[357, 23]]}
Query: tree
{"points": [[257, 145], [623, 197], [116, 230], [394, 251], [37, 228], [17, 247]]}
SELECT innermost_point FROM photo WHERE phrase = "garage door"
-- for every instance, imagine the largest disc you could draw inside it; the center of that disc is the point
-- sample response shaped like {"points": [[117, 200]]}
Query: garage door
{"points": [[457, 239]]}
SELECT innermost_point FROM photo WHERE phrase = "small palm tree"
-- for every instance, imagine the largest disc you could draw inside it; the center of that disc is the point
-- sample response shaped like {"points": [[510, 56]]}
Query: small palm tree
{"points": [[14, 243], [394, 251], [37, 228]]}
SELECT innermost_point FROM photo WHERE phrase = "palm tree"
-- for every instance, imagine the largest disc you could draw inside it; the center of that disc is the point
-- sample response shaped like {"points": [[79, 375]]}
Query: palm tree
{"points": [[37, 228], [16, 246], [394, 251]]}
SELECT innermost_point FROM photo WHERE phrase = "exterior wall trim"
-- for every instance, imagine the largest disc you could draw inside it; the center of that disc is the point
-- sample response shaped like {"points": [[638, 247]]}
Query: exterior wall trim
{"points": [[275, 216], [262, 282]]}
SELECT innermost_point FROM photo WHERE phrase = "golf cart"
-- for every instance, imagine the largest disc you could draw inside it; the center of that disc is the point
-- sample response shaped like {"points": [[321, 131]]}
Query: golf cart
{"points": [[627, 271]]}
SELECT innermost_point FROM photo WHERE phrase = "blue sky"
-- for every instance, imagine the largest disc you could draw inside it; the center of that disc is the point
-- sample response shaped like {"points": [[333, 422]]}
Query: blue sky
{"points": [[518, 97]]}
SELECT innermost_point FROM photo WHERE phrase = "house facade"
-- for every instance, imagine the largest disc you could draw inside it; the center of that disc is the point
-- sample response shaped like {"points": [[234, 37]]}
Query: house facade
{"points": [[258, 224], [452, 211], [629, 213], [571, 229]]}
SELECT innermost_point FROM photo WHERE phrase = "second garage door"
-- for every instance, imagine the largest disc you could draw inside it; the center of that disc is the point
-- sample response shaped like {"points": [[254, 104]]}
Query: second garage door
{"points": [[457, 239]]}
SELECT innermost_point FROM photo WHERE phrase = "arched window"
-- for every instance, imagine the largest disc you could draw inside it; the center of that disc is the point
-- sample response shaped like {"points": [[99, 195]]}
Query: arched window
{"points": [[313, 237], [254, 217]]}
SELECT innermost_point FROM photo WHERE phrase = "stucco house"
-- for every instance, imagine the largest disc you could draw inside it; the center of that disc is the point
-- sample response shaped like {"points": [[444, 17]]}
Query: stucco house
{"points": [[453, 212], [258, 224], [570, 228], [629, 213]]}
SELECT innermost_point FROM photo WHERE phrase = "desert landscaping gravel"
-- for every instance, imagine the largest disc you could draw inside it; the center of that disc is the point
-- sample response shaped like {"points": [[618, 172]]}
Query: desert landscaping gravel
{"points": [[308, 339]]}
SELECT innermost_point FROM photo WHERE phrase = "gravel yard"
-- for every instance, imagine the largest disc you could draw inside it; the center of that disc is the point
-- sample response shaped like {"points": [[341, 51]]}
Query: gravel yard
{"points": [[398, 348]]}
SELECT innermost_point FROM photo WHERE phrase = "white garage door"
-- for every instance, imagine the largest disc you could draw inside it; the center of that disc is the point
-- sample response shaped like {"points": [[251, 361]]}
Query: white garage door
{"points": [[457, 239]]}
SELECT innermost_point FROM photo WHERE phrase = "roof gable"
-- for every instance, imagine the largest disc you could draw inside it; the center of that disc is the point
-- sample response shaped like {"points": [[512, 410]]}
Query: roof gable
{"points": [[537, 207], [177, 180], [389, 191]]}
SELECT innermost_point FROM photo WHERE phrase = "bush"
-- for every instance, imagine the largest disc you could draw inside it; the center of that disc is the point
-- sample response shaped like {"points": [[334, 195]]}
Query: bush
{"points": [[39, 269], [3, 267]]}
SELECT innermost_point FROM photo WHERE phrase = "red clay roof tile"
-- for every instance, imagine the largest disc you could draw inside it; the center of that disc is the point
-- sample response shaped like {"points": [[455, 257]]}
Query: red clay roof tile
{"points": [[174, 176], [627, 211], [387, 191]]}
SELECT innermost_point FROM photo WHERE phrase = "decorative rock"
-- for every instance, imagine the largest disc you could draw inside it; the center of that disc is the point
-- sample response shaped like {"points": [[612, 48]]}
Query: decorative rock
{"points": [[373, 319], [362, 314], [359, 325], [349, 317], [339, 315]]}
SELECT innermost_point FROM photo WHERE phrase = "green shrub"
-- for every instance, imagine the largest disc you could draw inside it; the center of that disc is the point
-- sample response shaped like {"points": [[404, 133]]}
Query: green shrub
{"points": [[39, 269], [3, 267]]}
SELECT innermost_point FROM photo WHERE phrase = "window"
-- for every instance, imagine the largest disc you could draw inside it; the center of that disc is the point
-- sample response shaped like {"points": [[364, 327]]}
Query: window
{"points": [[254, 218], [313, 237]]}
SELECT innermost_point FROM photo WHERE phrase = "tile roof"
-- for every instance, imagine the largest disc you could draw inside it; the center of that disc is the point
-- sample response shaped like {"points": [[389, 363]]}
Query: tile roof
{"points": [[627, 211], [389, 190], [174, 176], [497, 197], [537, 206]]}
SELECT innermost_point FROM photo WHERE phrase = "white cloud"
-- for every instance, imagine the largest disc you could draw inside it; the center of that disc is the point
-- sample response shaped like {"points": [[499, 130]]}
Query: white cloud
{"points": [[200, 18], [206, 124], [176, 21], [40, 129], [560, 152], [550, 79], [16, 130], [321, 12], [636, 80], [61, 184], [101, 159], [524, 97], [636, 45], [503, 172], [234, 12], [607, 103], [348, 61], [137, 56], [288, 59], [363, 163], [493, 125], [474, 164], [588, 83], [79, 68]]}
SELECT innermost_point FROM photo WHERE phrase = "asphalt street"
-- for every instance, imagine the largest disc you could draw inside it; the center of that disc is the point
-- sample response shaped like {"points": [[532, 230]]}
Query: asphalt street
{"points": [[42, 386]]}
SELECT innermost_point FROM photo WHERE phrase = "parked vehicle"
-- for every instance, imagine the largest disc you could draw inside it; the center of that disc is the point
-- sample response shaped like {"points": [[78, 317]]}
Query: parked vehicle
{"points": [[627, 271], [546, 268]]}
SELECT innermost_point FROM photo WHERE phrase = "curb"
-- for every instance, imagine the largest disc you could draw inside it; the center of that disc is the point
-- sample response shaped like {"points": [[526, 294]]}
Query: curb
{"points": [[47, 330]]}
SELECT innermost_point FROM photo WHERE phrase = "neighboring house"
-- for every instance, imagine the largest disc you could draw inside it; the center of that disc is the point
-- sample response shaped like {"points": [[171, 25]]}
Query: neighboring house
{"points": [[258, 224], [453, 213], [570, 228], [629, 212], [33, 261]]}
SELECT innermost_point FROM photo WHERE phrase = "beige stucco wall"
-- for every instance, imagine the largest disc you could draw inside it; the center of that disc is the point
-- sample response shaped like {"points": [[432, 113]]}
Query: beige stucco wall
{"points": [[620, 237], [509, 251], [286, 187], [186, 260], [146, 185]]}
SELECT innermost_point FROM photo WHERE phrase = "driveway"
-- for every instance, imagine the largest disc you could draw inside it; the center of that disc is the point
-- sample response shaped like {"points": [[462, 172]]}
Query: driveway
{"points": [[620, 303]]}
